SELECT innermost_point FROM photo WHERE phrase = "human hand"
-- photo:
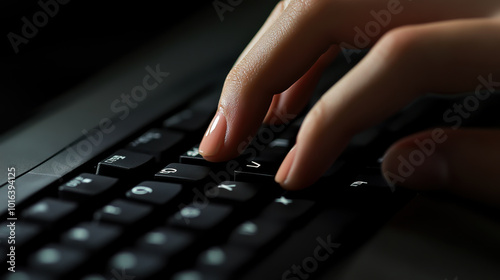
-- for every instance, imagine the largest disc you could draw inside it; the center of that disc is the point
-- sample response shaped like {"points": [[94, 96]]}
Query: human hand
{"points": [[417, 47]]}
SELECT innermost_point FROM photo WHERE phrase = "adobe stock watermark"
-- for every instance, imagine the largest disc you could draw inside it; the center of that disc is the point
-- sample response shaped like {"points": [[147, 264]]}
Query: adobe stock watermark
{"points": [[455, 116], [309, 265], [39, 19], [372, 29], [122, 107], [223, 6]]}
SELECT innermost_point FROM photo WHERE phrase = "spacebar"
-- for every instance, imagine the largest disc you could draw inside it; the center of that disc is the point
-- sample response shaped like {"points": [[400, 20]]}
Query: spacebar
{"points": [[26, 187]]}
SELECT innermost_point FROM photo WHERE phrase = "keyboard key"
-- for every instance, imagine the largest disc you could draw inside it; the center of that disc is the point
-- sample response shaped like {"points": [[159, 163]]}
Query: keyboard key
{"points": [[86, 187], [49, 211], [155, 193], [184, 173], [371, 180], [91, 236], [371, 183], [122, 212], [223, 261], [233, 192], [256, 234], [192, 156], [286, 210], [258, 171], [165, 242], [130, 264], [126, 164], [204, 217], [194, 275], [157, 142], [56, 260], [282, 144]]}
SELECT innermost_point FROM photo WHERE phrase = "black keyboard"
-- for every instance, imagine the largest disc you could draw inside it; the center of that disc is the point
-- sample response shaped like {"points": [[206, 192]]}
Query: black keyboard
{"points": [[153, 208]]}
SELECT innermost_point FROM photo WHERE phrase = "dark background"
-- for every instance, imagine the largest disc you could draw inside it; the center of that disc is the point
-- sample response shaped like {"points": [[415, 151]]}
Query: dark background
{"points": [[82, 38]]}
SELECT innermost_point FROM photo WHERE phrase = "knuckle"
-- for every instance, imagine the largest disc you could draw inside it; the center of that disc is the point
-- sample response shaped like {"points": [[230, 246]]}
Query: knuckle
{"points": [[400, 44], [238, 77], [318, 112], [308, 6], [314, 4]]}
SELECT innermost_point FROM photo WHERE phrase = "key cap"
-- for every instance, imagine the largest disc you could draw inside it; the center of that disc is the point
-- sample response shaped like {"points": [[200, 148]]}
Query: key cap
{"points": [[87, 187], [223, 261], [184, 174], [194, 275], [49, 211], [256, 234], [122, 212], [221, 169], [157, 142], [371, 183], [155, 193], [202, 218], [258, 170], [91, 236], [133, 264], [126, 164], [192, 156], [286, 210], [56, 260], [165, 242], [233, 192]]}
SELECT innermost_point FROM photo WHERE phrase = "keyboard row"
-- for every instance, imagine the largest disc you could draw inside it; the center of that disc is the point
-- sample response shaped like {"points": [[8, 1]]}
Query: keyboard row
{"points": [[143, 217], [220, 219]]}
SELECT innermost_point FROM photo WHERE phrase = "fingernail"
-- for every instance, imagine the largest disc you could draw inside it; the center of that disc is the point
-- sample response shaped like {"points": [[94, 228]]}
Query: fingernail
{"points": [[411, 167], [214, 136], [282, 174]]}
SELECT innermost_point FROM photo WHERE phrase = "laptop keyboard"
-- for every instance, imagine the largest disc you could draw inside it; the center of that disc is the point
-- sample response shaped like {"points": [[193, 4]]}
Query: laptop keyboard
{"points": [[153, 208]]}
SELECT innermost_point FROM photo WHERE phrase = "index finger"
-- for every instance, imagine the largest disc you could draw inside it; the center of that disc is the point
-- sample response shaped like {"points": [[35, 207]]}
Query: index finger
{"points": [[281, 56]]}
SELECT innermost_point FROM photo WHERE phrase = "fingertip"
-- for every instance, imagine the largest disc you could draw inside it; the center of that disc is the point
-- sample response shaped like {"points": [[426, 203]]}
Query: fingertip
{"points": [[214, 137], [294, 174], [282, 174]]}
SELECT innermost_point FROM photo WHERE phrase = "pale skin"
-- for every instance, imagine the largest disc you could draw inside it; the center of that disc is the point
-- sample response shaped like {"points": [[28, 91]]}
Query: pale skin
{"points": [[428, 46]]}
